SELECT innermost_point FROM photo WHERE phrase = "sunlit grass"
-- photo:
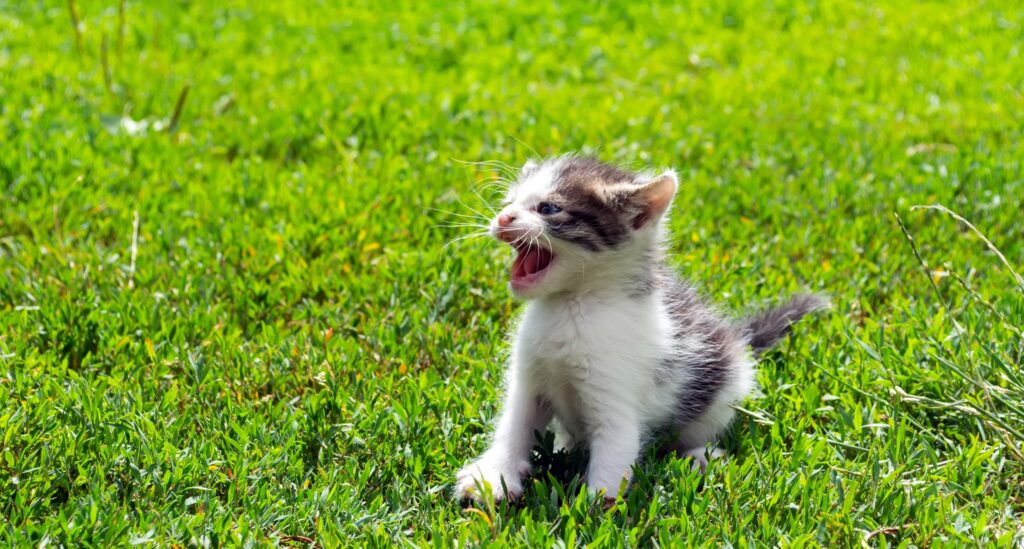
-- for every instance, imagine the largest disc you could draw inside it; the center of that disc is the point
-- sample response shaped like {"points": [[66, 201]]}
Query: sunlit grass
{"points": [[229, 310]]}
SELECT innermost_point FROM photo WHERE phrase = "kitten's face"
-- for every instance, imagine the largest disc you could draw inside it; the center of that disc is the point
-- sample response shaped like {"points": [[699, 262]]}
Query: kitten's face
{"points": [[569, 218]]}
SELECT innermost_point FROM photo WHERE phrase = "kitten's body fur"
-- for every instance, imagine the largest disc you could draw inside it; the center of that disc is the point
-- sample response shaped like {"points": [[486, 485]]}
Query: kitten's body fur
{"points": [[611, 343]]}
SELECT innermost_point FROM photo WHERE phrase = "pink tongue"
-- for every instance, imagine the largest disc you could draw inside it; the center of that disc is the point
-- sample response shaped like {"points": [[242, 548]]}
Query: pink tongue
{"points": [[530, 261]]}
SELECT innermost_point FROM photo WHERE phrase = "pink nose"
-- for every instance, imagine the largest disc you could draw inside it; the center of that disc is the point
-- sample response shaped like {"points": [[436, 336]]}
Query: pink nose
{"points": [[504, 231], [504, 220]]}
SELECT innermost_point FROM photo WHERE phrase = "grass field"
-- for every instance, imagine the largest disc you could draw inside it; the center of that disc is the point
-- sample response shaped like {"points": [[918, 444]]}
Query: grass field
{"points": [[228, 315]]}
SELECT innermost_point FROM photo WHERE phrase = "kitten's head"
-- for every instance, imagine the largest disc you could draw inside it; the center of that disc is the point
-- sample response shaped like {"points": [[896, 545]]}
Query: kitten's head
{"points": [[572, 219]]}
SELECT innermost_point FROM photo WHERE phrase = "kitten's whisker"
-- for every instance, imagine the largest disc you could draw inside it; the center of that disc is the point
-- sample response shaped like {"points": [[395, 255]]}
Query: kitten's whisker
{"points": [[477, 212], [496, 185], [523, 143], [502, 167], [469, 235], [473, 217], [516, 243], [449, 212], [504, 178], [473, 234], [476, 226], [499, 178], [461, 223], [485, 203], [461, 238], [495, 177], [479, 197], [484, 228], [548, 240], [489, 163]]}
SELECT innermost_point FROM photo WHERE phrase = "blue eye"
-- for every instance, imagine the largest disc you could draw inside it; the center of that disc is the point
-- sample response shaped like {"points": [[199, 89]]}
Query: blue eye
{"points": [[547, 208]]}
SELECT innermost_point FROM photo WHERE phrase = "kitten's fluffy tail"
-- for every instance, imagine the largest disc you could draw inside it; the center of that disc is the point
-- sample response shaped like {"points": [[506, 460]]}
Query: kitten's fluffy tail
{"points": [[763, 330]]}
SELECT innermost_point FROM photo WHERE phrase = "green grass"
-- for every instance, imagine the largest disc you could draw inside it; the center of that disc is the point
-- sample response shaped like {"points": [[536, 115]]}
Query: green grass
{"points": [[282, 349]]}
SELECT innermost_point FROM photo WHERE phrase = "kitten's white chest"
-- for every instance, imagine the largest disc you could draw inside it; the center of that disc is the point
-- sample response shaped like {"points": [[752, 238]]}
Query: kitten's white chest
{"points": [[555, 336], [588, 356]]}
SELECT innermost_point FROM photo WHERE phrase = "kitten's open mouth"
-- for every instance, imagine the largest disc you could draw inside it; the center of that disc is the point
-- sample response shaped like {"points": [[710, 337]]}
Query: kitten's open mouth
{"points": [[530, 264]]}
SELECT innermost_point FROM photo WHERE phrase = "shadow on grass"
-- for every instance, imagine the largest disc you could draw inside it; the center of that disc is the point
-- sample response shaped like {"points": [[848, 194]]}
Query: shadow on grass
{"points": [[555, 491]]}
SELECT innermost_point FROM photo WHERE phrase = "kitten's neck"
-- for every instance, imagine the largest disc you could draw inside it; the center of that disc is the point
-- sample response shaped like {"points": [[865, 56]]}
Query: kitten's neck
{"points": [[632, 271]]}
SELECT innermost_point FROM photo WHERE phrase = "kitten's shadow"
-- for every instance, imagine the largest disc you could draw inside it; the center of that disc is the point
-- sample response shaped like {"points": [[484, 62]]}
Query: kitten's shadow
{"points": [[549, 461], [555, 489], [566, 467]]}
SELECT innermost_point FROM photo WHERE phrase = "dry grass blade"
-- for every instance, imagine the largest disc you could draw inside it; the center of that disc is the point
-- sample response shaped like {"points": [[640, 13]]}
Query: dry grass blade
{"points": [[924, 266], [105, 63], [885, 530], [1007, 323], [178, 107], [296, 539], [939, 207], [135, 249], [76, 24], [120, 29]]}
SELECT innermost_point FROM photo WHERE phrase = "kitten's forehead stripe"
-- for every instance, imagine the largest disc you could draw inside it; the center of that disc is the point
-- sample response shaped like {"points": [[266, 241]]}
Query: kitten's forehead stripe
{"points": [[590, 172], [578, 182]]}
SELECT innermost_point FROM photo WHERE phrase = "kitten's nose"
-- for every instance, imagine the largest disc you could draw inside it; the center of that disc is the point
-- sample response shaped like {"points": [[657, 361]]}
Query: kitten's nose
{"points": [[504, 220]]}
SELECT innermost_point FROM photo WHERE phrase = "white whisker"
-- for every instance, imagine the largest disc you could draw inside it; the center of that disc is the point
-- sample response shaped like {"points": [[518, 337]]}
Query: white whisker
{"points": [[484, 228], [463, 237], [453, 213]]}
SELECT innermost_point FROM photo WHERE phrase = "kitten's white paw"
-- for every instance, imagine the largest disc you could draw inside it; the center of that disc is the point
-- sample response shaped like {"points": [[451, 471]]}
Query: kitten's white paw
{"points": [[700, 456], [487, 473], [610, 490]]}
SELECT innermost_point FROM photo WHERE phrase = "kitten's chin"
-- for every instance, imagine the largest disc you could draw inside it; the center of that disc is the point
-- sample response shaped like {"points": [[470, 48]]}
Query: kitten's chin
{"points": [[527, 289], [529, 270]]}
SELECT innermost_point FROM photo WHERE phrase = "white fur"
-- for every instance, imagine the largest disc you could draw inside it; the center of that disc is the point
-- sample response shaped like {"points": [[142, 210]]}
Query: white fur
{"points": [[587, 352]]}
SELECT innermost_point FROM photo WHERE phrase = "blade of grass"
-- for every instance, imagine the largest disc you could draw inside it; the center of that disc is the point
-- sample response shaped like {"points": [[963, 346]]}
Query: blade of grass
{"points": [[121, 19], [179, 106], [939, 207], [76, 24]]}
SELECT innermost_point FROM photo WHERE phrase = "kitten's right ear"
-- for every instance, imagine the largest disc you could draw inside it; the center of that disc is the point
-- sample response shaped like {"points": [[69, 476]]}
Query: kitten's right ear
{"points": [[656, 197], [528, 168]]}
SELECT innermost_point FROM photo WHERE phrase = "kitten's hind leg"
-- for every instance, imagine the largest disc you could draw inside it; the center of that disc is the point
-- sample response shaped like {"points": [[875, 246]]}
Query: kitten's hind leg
{"points": [[697, 439], [703, 455]]}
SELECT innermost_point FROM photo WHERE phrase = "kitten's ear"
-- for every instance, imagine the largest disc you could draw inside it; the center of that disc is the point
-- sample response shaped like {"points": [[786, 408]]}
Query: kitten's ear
{"points": [[528, 167], [655, 196]]}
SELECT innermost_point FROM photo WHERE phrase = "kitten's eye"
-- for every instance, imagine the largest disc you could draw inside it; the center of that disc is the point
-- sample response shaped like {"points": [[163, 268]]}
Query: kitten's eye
{"points": [[547, 208]]}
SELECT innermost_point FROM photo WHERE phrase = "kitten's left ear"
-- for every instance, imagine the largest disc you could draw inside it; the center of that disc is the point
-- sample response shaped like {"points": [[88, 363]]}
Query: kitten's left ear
{"points": [[528, 167], [655, 196]]}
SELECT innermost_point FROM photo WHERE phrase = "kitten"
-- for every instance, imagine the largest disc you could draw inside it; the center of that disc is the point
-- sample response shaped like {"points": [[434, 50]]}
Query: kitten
{"points": [[611, 344]]}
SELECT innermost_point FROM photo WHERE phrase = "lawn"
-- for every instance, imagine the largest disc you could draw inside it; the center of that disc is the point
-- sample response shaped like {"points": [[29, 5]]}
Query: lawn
{"points": [[234, 309]]}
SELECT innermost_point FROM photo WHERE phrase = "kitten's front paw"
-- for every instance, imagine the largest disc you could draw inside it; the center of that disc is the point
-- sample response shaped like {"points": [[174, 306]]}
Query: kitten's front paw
{"points": [[487, 473]]}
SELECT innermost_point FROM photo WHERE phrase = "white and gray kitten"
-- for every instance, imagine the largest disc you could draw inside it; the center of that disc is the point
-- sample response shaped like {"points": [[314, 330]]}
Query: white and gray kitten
{"points": [[611, 344]]}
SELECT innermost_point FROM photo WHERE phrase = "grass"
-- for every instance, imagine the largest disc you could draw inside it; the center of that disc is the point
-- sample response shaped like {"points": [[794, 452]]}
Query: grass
{"points": [[228, 315]]}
